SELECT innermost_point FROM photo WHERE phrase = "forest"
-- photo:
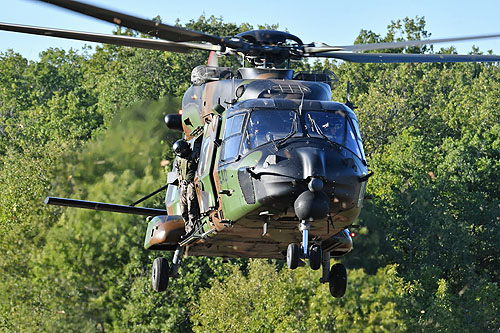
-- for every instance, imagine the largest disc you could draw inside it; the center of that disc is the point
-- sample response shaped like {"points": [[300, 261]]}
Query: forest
{"points": [[88, 124]]}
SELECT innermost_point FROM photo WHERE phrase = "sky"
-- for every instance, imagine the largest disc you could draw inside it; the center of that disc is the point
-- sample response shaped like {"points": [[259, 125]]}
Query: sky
{"points": [[332, 22]]}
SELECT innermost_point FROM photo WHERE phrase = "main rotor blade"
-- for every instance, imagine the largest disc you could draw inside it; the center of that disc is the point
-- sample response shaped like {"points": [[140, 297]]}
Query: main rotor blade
{"points": [[395, 45], [406, 57], [150, 27], [144, 43]]}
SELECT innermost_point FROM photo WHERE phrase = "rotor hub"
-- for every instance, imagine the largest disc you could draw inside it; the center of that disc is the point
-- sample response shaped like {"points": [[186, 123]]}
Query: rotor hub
{"points": [[269, 48], [268, 37]]}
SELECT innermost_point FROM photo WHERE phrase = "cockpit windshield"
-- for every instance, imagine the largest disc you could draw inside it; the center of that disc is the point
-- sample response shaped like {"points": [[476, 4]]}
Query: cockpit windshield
{"points": [[334, 126], [266, 126], [326, 124], [277, 126]]}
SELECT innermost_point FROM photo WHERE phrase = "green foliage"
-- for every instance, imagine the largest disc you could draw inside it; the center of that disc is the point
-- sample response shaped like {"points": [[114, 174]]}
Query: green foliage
{"points": [[399, 30], [45, 101], [431, 131], [269, 300], [426, 257]]}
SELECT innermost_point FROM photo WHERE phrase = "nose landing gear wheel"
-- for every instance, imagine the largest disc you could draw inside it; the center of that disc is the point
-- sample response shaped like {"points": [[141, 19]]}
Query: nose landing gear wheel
{"points": [[160, 274], [315, 256], [293, 255], [338, 280]]}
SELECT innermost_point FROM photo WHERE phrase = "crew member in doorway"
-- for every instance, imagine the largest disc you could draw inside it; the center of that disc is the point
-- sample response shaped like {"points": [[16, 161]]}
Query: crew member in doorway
{"points": [[186, 168]]}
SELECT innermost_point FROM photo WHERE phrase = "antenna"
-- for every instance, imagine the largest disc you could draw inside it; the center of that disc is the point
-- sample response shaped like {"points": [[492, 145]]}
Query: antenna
{"points": [[348, 101], [301, 103]]}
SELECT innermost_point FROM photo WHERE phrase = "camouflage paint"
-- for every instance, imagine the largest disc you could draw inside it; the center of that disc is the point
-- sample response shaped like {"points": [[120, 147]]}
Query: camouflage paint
{"points": [[239, 224], [164, 232]]}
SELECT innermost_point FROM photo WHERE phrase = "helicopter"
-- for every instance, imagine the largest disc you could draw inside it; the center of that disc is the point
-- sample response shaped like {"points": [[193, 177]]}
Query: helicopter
{"points": [[282, 172]]}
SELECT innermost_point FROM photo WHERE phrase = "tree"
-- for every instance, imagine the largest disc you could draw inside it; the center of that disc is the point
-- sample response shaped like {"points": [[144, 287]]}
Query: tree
{"points": [[425, 259], [269, 299]]}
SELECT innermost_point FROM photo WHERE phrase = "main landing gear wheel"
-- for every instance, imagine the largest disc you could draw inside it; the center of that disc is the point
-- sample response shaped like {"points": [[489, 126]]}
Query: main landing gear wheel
{"points": [[293, 255], [160, 274], [315, 256], [338, 280]]}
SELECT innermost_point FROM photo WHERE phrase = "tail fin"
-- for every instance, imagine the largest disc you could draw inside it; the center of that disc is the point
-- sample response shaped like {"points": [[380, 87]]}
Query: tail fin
{"points": [[213, 60]]}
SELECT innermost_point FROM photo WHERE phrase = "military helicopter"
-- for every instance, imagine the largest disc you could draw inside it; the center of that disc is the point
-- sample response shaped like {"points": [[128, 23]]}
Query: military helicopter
{"points": [[282, 172]]}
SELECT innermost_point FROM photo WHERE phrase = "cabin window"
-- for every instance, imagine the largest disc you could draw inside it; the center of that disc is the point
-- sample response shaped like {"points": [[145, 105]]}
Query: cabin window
{"points": [[268, 125], [204, 155], [232, 137], [172, 190], [335, 127]]}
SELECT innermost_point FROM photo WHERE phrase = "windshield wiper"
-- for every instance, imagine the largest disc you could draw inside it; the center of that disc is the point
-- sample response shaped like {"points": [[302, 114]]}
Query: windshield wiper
{"points": [[320, 132], [294, 130]]}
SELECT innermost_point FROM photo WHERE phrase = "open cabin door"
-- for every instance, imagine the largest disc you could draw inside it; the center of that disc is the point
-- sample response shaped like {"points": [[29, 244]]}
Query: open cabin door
{"points": [[205, 184]]}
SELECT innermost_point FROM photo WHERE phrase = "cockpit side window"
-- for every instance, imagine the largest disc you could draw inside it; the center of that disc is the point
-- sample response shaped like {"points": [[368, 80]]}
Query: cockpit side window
{"points": [[358, 137], [233, 125], [269, 125], [232, 137]]}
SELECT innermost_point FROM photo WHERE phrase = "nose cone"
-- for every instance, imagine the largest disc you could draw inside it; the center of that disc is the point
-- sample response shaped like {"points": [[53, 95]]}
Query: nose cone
{"points": [[311, 161], [311, 205], [308, 177]]}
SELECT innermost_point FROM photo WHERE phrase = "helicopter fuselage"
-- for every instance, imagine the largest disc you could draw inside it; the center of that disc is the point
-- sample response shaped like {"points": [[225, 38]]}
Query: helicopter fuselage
{"points": [[263, 139]]}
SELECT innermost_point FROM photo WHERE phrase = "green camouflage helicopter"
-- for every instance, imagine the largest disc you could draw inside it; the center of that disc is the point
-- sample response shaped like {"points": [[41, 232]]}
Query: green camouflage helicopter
{"points": [[282, 172]]}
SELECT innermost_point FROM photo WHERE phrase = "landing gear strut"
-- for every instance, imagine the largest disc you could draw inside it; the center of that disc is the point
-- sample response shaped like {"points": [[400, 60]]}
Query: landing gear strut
{"points": [[161, 271], [294, 253], [304, 227], [336, 277]]}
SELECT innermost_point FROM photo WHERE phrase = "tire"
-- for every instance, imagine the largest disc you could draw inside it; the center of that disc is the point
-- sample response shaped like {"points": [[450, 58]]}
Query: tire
{"points": [[292, 255], [338, 280], [159, 276], [315, 256]]}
